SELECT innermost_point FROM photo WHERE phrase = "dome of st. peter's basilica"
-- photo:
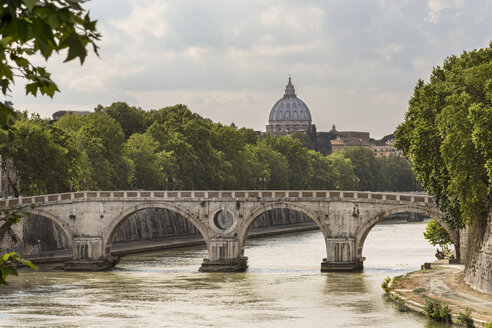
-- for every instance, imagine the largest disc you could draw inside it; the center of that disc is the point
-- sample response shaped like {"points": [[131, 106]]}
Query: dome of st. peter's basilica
{"points": [[289, 114]]}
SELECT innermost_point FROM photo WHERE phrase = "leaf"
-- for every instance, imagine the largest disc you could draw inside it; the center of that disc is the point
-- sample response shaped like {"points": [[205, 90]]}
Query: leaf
{"points": [[32, 88], [44, 37], [75, 48], [29, 4]]}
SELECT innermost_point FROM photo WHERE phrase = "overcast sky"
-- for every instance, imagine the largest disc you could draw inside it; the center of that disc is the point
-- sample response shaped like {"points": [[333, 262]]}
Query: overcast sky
{"points": [[354, 63]]}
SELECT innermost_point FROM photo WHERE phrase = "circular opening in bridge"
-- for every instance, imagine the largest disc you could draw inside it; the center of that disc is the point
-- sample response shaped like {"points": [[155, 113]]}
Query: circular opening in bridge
{"points": [[223, 219]]}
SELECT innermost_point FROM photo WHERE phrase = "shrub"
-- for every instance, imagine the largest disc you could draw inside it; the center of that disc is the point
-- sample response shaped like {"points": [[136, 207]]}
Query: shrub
{"points": [[437, 311], [487, 325], [385, 285], [464, 318]]}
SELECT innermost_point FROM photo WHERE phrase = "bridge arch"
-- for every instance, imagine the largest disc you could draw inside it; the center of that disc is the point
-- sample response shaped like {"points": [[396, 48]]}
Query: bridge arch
{"points": [[248, 223], [374, 219], [122, 216], [37, 211]]}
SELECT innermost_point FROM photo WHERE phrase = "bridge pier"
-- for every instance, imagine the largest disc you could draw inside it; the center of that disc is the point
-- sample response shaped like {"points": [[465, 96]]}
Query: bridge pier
{"points": [[225, 256], [89, 255], [341, 255]]}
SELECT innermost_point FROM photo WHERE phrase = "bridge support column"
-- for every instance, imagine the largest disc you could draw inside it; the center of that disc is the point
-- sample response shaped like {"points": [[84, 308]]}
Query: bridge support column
{"points": [[225, 256], [341, 255], [89, 255]]}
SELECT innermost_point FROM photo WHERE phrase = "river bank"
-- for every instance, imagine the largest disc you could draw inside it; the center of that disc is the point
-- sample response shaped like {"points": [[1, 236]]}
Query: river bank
{"points": [[142, 246], [444, 283]]}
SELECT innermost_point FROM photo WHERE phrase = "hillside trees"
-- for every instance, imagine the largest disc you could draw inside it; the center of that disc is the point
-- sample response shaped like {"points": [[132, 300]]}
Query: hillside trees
{"points": [[174, 148]]}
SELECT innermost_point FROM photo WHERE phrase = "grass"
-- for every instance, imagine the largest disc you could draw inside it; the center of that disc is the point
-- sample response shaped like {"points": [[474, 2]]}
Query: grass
{"points": [[419, 290]]}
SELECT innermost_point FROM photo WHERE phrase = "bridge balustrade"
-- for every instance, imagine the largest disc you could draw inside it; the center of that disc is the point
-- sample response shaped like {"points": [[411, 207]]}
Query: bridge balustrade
{"points": [[91, 218]]}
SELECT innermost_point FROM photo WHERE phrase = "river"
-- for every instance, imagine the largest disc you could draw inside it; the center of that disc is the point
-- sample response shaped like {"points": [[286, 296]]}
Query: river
{"points": [[283, 287]]}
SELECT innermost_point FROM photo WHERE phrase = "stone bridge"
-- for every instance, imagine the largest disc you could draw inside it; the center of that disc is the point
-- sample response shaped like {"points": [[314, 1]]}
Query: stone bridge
{"points": [[224, 218]]}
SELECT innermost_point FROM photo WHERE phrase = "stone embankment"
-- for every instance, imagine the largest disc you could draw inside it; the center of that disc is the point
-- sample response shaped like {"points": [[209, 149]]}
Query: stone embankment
{"points": [[478, 273], [443, 282]]}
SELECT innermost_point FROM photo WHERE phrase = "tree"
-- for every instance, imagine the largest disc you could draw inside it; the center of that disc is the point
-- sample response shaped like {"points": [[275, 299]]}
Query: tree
{"points": [[28, 28], [396, 174], [41, 155], [437, 235], [297, 156], [344, 177], [365, 167], [102, 140], [304, 138], [270, 165], [130, 118], [447, 135], [142, 150], [32, 27]]}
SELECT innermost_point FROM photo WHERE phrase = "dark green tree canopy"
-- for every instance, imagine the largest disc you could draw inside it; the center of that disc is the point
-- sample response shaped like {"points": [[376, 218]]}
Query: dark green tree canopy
{"points": [[447, 134]]}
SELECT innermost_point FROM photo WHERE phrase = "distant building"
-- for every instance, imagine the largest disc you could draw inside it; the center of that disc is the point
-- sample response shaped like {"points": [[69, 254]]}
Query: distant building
{"points": [[386, 150], [348, 139], [289, 114], [61, 113]]}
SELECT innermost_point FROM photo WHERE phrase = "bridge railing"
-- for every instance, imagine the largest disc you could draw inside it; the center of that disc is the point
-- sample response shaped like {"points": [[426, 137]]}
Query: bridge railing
{"points": [[200, 195]]}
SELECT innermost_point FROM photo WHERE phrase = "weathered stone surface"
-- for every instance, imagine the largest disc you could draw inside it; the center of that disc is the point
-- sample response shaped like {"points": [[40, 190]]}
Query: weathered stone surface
{"points": [[92, 222], [478, 273], [34, 235]]}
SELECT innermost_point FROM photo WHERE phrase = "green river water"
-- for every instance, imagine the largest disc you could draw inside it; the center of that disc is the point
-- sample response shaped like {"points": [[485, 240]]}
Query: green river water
{"points": [[283, 287]]}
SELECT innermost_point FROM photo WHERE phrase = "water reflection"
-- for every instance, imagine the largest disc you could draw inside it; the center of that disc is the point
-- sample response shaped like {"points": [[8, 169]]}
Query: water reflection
{"points": [[282, 288]]}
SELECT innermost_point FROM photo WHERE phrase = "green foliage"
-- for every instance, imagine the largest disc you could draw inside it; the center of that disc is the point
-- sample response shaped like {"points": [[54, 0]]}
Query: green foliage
{"points": [[9, 260], [131, 119], [32, 27], [419, 290], [437, 311], [487, 325], [14, 214], [120, 147], [365, 167], [304, 138], [101, 140], [297, 157], [385, 285], [447, 134], [437, 235], [42, 156], [151, 165], [464, 318]]}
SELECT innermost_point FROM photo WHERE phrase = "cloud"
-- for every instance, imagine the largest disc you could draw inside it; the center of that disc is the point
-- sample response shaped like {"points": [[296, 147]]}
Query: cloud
{"points": [[146, 18], [353, 62], [392, 49], [436, 6]]}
